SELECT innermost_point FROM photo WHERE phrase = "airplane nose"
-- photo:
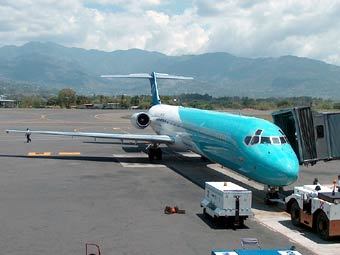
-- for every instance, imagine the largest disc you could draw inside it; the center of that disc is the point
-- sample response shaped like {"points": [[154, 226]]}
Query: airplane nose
{"points": [[289, 170]]}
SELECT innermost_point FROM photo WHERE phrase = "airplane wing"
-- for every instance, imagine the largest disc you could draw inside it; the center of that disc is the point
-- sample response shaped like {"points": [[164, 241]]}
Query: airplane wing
{"points": [[131, 137]]}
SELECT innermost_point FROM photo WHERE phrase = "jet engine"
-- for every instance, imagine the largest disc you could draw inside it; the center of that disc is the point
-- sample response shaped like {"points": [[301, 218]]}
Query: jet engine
{"points": [[140, 120]]}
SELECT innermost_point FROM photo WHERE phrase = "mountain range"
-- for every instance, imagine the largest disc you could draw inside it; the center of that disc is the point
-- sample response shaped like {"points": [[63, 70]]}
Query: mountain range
{"points": [[50, 65]]}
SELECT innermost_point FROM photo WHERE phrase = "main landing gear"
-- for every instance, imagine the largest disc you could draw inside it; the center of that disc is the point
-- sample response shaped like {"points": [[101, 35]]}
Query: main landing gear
{"points": [[154, 152]]}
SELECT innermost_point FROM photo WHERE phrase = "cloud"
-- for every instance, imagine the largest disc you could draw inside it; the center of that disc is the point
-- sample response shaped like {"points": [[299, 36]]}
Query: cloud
{"points": [[272, 28], [249, 28]]}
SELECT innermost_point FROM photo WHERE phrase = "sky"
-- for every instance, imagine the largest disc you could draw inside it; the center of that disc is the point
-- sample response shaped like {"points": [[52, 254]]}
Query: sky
{"points": [[246, 28]]}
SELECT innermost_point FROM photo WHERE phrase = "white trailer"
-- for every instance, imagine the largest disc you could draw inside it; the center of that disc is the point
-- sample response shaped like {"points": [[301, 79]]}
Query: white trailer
{"points": [[317, 207], [227, 200]]}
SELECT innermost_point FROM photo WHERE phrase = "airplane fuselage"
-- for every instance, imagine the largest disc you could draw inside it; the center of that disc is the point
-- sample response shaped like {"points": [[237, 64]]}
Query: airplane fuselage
{"points": [[253, 147]]}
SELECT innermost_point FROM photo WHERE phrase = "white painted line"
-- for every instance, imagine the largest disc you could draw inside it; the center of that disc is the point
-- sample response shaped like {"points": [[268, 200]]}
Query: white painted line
{"points": [[140, 165], [137, 165], [131, 155], [275, 220]]}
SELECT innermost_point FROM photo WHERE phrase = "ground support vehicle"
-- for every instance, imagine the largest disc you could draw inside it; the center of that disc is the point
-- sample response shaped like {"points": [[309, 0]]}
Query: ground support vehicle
{"points": [[255, 252], [226, 200], [254, 242], [317, 207]]}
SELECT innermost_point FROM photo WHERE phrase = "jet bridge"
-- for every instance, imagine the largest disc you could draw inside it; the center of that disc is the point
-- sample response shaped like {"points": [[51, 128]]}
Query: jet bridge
{"points": [[313, 136]]}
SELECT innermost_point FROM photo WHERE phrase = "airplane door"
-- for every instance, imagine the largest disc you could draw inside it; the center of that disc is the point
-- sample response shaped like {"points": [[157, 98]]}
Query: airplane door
{"points": [[320, 136]]}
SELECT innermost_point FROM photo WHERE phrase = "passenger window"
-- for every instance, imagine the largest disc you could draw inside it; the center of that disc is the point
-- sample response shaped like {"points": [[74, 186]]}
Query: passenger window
{"points": [[282, 139], [265, 140], [258, 132], [255, 140], [320, 132], [247, 140], [275, 140]]}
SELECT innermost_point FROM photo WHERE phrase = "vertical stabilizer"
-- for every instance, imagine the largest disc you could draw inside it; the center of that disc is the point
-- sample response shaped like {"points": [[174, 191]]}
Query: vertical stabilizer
{"points": [[153, 81], [154, 90]]}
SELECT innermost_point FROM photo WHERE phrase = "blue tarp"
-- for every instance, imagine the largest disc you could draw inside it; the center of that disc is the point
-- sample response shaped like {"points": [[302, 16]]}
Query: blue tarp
{"points": [[255, 252]]}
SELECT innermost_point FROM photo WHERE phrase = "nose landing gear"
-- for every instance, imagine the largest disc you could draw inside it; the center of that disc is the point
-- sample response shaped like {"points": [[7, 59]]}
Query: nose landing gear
{"points": [[154, 152], [274, 195]]}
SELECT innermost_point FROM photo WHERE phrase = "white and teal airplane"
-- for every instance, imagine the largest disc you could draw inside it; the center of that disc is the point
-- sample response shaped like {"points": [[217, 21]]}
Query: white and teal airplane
{"points": [[253, 147]]}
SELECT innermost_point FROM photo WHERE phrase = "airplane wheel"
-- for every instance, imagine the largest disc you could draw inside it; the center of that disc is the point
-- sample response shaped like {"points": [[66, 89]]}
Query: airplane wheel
{"points": [[240, 223], [295, 214], [205, 213], [158, 153], [151, 154], [322, 226]]}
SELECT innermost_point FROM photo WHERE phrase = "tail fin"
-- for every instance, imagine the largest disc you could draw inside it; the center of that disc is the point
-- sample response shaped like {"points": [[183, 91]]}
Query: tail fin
{"points": [[153, 81]]}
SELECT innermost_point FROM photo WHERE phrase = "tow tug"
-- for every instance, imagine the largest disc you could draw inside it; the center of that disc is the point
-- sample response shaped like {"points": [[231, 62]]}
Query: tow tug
{"points": [[317, 207]]}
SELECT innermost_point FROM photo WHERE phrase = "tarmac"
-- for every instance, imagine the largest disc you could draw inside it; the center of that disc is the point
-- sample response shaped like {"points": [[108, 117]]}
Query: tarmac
{"points": [[58, 193]]}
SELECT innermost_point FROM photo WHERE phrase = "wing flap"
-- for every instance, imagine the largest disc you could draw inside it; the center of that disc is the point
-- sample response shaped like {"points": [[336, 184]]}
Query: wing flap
{"points": [[133, 137]]}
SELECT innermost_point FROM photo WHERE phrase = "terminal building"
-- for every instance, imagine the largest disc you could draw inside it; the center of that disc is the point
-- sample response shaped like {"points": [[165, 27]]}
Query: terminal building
{"points": [[7, 103]]}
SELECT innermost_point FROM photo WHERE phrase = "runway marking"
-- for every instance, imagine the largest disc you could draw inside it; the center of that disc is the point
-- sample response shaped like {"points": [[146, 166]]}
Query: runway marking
{"points": [[65, 153], [140, 165], [280, 222], [134, 164], [39, 154]]}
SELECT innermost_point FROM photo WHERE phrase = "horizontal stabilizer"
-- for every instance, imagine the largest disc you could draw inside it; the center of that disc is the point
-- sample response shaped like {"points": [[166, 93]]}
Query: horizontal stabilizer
{"points": [[148, 76], [134, 75], [153, 77]]}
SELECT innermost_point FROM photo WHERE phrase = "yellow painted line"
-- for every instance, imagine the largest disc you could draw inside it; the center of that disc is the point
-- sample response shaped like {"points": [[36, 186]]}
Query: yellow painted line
{"points": [[39, 154], [65, 153]]}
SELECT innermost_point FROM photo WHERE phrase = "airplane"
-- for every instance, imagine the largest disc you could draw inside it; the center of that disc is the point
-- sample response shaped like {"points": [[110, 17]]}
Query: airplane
{"points": [[253, 147]]}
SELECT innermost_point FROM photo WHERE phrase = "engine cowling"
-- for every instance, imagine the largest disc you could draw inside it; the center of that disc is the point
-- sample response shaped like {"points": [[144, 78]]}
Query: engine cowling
{"points": [[140, 120]]}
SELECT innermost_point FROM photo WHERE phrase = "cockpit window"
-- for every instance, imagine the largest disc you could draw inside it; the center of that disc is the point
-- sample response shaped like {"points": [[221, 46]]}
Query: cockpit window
{"points": [[255, 140], [265, 140], [247, 140], [275, 140], [258, 139], [282, 132]]}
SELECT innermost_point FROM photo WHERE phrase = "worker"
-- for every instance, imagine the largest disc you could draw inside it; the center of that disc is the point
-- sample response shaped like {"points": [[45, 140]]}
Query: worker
{"points": [[28, 135]]}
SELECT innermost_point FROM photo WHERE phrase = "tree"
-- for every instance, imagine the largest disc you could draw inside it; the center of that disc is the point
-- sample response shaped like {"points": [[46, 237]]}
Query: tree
{"points": [[336, 106], [52, 101], [66, 97]]}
